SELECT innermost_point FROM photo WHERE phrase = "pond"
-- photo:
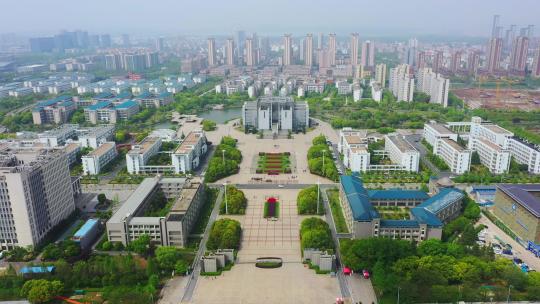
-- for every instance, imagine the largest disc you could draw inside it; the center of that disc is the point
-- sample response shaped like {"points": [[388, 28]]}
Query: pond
{"points": [[221, 116]]}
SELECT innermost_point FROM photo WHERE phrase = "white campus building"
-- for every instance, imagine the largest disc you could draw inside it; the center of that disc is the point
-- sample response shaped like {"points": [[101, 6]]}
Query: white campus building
{"points": [[402, 152], [275, 113], [525, 153], [96, 160], [188, 155], [95, 136], [495, 145], [495, 158], [455, 156], [129, 222], [353, 146], [139, 155], [434, 131]]}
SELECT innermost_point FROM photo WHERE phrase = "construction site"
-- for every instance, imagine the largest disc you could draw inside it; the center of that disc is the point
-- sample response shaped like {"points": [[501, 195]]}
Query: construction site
{"points": [[522, 100]]}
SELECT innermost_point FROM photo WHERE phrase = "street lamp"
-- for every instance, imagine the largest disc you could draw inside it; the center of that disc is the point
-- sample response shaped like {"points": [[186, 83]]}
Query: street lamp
{"points": [[226, 205], [223, 155], [318, 194], [398, 294]]}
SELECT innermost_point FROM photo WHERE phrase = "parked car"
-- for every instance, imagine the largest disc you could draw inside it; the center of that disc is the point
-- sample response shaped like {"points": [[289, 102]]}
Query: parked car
{"points": [[365, 273]]}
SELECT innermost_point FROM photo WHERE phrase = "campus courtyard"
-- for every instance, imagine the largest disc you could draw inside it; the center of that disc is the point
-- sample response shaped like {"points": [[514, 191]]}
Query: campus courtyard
{"points": [[262, 237]]}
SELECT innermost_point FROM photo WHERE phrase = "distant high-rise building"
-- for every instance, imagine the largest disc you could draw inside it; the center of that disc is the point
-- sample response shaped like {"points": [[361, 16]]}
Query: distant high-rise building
{"points": [[240, 40], [494, 54], [332, 49], [323, 58], [473, 62], [41, 44], [160, 44], [495, 27], [229, 52], [125, 40], [530, 31], [437, 63], [509, 37], [535, 71], [401, 84], [421, 60], [105, 41], [518, 56], [380, 74], [308, 50], [455, 61], [410, 56], [250, 53], [434, 85], [354, 49], [320, 38], [287, 49], [211, 52], [368, 54]]}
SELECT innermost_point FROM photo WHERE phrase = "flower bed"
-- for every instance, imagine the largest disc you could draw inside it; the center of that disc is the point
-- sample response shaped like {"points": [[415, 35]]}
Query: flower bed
{"points": [[271, 207], [273, 163]]}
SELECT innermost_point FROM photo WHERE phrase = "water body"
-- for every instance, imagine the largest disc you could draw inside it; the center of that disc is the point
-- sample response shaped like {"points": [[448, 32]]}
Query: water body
{"points": [[221, 116], [164, 125]]}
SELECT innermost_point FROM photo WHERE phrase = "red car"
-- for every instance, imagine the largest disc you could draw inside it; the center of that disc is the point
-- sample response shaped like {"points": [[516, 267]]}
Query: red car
{"points": [[365, 273]]}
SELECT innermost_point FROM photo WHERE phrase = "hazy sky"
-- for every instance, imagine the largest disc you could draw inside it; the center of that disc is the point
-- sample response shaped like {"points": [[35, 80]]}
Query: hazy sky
{"points": [[377, 17]]}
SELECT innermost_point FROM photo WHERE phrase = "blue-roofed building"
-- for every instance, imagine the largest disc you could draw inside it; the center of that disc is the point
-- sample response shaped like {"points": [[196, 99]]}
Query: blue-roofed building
{"points": [[149, 100], [111, 111], [36, 270], [53, 111], [518, 207], [126, 109], [482, 193], [426, 219], [446, 204], [87, 233], [397, 197]]}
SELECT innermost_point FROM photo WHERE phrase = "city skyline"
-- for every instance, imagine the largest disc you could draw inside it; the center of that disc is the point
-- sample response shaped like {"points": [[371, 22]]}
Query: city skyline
{"points": [[191, 18]]}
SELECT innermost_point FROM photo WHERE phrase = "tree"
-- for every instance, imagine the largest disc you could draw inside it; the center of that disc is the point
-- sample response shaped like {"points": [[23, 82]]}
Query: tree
{"points": [[432, 247], [41, 291], [236, 201], [181, 267], [306, 201], [475, 158], [141, 245], [225, 234], [102, 199], [121, 136], [208, 125], [167, 256]]}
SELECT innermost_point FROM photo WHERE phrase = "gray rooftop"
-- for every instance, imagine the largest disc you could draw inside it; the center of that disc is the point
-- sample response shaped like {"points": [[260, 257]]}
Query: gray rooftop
{"points": [[527, 196]]}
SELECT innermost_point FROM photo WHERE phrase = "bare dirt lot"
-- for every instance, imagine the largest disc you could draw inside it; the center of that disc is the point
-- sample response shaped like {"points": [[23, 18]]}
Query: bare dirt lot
{"points": [[505, 99]]}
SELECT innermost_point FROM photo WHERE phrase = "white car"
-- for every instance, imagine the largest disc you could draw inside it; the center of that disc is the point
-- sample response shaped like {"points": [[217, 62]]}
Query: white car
{"points": [[280, 186]]}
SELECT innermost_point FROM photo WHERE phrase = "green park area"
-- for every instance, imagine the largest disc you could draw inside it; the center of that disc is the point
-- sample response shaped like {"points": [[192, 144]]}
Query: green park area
{"points": [[225, 161], [320, 160]]}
